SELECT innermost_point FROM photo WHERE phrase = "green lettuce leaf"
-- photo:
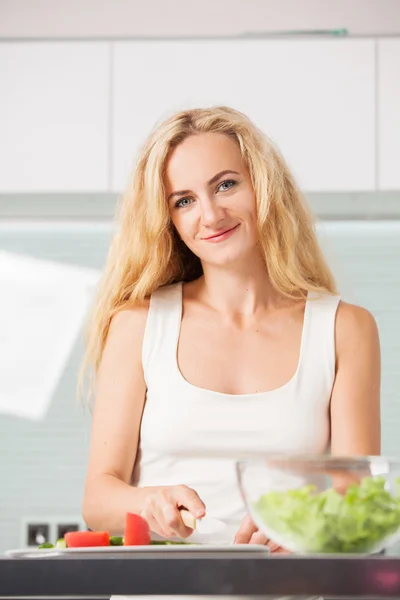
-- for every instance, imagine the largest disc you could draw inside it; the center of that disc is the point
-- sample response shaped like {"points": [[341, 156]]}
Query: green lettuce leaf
{"points": [[328, 522]]}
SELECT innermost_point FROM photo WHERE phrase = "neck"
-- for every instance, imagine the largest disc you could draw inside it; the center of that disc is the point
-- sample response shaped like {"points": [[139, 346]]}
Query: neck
{"points": [[240, 289]]}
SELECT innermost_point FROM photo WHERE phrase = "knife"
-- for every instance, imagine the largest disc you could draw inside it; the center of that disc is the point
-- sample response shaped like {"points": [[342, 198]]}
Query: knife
{"points": [[207, 530]]}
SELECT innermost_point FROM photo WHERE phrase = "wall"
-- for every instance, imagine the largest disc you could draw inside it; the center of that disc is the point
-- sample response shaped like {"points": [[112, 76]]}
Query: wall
{"points": [[124, 18]]}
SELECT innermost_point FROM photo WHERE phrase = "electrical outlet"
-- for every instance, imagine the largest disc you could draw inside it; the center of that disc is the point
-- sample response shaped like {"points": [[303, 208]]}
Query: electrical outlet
{"points": [[63, 528], [37, 533], [61, 524], [36, 529]]}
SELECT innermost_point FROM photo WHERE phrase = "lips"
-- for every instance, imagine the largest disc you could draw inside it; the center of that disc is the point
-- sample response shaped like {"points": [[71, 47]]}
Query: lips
{"points": [[221, 233]]}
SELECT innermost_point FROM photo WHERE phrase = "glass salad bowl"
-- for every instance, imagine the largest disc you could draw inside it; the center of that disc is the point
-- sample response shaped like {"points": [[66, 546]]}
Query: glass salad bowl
{"points": [[315, 504]]}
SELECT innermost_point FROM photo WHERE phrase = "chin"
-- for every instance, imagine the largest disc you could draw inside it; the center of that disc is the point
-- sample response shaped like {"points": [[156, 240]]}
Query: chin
{"points": [[227, 255], [226, 259]]}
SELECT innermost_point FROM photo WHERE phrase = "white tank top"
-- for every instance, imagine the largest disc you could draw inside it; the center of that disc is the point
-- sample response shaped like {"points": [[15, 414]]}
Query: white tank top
{"points": [[193, 436]]}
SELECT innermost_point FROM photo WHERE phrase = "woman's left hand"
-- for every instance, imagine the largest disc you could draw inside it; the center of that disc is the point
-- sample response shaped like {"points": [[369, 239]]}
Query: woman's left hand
{"points": [[250, 534]]}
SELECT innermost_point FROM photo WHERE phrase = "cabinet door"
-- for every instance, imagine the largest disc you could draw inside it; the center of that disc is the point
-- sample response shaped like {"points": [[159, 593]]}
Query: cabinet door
{"points": [[315, 99], [54, 109], [389, 113]]}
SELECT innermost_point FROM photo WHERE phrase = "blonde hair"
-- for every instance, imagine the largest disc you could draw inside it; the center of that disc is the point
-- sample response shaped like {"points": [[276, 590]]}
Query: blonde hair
{"points": [[146, 252]]}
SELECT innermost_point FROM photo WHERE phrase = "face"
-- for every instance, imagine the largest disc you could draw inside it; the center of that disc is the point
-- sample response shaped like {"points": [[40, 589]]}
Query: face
{"points": [[211, 199]]}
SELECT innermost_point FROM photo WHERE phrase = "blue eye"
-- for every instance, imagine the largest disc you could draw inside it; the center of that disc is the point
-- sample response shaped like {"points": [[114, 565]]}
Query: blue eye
{"points": [[231, 183], [183, 202], [186, 201]]}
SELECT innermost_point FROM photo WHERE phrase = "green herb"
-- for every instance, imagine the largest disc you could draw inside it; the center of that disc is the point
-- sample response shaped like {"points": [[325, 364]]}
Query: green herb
{"points": [[328, 522], [46, 545], [116, 540]]}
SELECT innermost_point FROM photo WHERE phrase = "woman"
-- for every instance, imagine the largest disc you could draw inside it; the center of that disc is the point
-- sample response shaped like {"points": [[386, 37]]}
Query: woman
{"points": [[218, 333]]}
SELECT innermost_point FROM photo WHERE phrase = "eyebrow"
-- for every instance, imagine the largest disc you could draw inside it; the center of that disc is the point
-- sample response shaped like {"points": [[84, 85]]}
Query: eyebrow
{"points": [[212, 180]]}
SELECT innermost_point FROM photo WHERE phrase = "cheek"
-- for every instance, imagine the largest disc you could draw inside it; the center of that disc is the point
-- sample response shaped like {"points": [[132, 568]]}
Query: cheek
{"points": [[247, 212], [252, 211], [183, 225], [245, 204]]}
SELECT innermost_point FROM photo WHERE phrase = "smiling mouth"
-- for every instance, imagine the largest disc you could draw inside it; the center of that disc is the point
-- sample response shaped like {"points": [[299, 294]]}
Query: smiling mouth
{"points": [[221, 233]]}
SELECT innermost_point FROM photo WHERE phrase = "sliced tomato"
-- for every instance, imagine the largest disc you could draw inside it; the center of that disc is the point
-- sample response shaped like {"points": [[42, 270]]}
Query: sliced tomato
{"points": [[137, 531], [86, 539]]}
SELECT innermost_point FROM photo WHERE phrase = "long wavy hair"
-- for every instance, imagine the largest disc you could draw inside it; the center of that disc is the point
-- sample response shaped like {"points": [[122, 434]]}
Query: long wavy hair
{"points": [[146, 251]]}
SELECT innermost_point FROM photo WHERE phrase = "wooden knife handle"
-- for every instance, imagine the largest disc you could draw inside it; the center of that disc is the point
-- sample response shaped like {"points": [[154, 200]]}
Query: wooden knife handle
{"points": [[188, 519]]}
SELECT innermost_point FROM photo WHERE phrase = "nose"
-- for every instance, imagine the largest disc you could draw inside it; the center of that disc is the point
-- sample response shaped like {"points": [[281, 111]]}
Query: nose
{"points": [[210, 212]]}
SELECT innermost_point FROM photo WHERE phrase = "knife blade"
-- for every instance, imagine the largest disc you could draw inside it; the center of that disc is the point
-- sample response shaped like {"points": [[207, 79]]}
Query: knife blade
{"points": [[207, 530]]}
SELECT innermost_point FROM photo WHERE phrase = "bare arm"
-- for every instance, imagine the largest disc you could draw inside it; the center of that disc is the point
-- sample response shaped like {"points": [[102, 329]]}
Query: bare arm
{"points": [[118, 409], [117, 414], [355, 400]]}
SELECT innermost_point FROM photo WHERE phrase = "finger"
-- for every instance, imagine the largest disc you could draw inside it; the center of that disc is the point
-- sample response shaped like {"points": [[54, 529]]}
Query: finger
{"points": [[172, 520], [157, 514], [153, 524], [246, 530], [189, 499], [152, 514], [280, 550], [163, 516], [275, 548], [258, 538]]}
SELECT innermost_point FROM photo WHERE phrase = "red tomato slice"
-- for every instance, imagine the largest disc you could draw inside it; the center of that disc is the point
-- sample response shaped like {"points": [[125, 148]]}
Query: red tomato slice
{"points": [[137, 531], [86, 539]]}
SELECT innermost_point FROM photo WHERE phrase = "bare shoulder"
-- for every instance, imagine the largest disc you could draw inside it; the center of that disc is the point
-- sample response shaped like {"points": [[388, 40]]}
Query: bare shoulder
{"points": [[131, 318], [352, 319], [127, 328], [354, 325]]}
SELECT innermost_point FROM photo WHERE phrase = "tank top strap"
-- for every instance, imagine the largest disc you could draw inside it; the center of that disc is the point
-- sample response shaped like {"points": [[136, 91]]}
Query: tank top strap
{"points": [[162, 329], [318, 345]]}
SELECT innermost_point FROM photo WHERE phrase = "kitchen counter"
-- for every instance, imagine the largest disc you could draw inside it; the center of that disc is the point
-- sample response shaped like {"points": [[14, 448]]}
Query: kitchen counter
{"points": [[206, 574]]}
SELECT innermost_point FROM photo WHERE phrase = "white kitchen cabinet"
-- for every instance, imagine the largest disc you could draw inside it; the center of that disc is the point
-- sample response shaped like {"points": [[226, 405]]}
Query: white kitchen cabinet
{"points": [[389, 114], [314, 98], [54, 116]]}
